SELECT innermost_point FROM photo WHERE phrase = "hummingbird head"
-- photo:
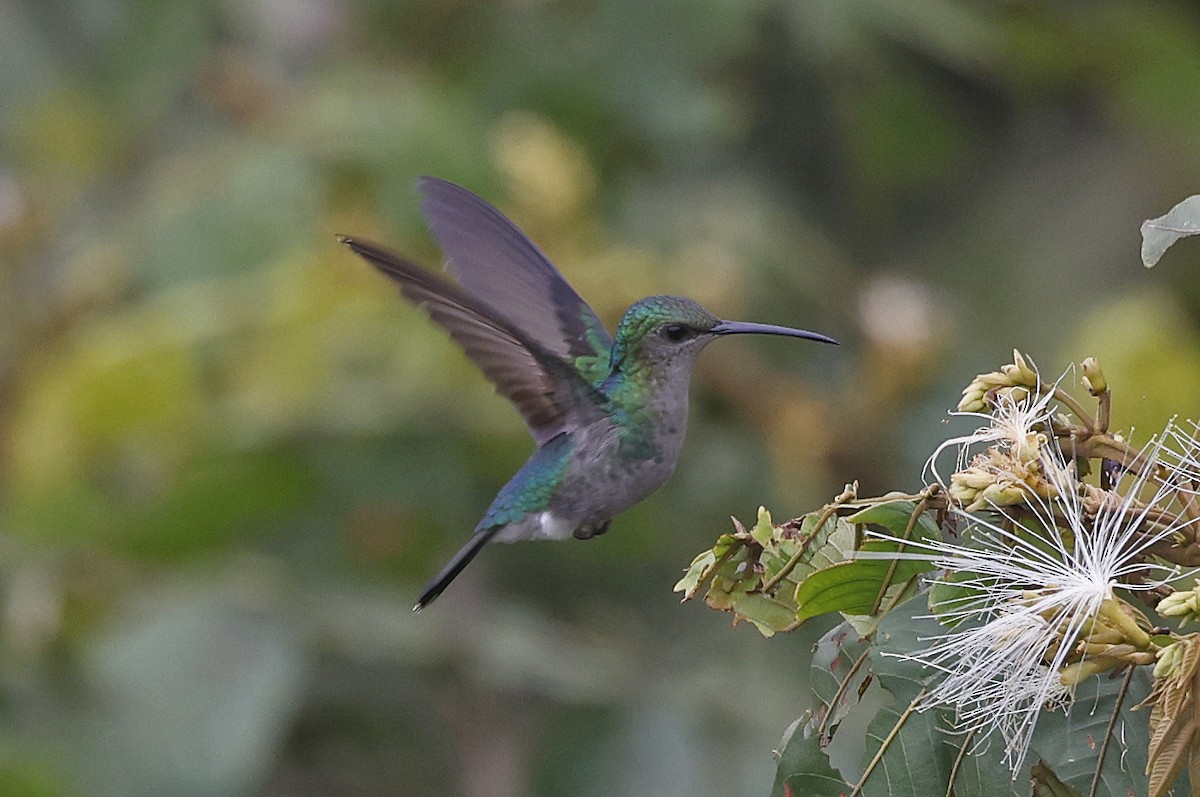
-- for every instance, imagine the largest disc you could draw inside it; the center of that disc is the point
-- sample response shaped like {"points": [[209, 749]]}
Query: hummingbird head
{"points": [[660, 331]]}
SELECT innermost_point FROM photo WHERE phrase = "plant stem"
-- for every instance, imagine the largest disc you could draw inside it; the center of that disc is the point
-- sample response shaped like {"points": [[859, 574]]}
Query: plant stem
{"points": [[847, 494]]}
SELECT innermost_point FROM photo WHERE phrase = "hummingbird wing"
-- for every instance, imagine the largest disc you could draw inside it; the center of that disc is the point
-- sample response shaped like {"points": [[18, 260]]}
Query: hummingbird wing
{"points": [[494, 261], [548, 392]]}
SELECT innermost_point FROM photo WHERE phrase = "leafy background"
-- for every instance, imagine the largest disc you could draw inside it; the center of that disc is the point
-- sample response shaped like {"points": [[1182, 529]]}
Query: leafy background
{"points": [[230, 455]]}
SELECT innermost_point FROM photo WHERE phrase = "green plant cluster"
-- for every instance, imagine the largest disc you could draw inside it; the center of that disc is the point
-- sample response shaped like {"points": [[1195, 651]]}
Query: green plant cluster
{"points": [[992, 634]]}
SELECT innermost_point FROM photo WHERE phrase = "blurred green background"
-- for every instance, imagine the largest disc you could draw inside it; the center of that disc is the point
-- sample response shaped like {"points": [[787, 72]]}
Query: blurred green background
{"points": [[230, 454]]}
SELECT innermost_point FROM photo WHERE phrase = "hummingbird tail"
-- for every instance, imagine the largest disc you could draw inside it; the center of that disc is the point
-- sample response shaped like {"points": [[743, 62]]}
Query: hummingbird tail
{"points": [[455, 566]]}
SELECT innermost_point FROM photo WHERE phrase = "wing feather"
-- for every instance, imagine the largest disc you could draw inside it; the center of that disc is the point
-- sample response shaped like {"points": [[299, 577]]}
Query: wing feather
{"points": [[548, 393], [494, 261]]}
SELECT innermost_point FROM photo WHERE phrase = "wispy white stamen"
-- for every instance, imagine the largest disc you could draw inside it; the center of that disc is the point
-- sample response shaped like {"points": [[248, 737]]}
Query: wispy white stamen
{"points": [[1007, 425]]}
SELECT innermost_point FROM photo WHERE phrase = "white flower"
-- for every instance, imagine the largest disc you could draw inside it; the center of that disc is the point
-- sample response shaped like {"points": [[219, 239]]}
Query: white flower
{"points": [[1035, 582]]}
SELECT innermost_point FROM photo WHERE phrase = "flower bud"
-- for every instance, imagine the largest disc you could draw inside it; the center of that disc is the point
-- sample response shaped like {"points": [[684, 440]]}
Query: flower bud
{"points": [[972, 400], [1013, 381], [962, 494], [1024, 373], [1168, 660], [1184, 604], [1175, 604], [993, 379], [1093, 376], [1014, 395], [1074, 674], [973, 478], [998, 494]]}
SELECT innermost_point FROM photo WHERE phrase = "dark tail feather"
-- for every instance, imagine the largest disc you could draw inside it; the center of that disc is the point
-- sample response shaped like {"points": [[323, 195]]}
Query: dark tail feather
{"points": [[455, 566]]}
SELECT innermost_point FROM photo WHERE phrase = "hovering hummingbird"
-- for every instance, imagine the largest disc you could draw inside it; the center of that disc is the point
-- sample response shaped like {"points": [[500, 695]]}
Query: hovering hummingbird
{"points": [[608, 413]]}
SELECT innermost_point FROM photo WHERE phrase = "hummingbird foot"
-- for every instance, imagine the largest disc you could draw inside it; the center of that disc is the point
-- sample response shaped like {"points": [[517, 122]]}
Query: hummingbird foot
{"points": [[589, 530]]}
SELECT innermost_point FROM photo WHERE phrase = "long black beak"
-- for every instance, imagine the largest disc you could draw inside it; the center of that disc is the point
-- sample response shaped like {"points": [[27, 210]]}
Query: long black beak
{"points": [[750, 328]]}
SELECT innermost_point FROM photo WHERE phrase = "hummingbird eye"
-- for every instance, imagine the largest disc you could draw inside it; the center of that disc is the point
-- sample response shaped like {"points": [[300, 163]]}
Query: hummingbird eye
{"points": [[676, 333]]}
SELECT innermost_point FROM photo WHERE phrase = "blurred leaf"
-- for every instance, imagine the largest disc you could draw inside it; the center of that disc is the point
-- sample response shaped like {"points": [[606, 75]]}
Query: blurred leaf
{"points": [[66, 132], [20, 778], [210, 502], [227, 209], [380, 128], [1159, 234], [1149, 344], [194, 696], [895, 116], [151, 49], [1157, 54], [218, 500]]}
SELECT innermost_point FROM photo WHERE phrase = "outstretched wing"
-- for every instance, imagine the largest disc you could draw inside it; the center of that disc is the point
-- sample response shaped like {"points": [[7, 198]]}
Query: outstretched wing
{"points": [[494, 261], [550, 395]]}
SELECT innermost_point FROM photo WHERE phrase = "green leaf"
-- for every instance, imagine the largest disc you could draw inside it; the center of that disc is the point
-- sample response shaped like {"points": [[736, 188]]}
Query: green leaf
{"points": [[834, 657], [832, 542], [705, 562], [739, 564], [904, 631], [853, 587], [766, 613], [982, 772], [946, 594], [849, 587], [1158, 235], [922, 756], [1047, 784], [895, 517], [763, 531], [1070, 742], [804, 769], [696, 570], [916, 761]]}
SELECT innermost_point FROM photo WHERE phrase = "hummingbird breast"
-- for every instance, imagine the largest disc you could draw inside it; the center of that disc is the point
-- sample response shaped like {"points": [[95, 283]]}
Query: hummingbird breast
{"points": [[618, 464], [577, 482]]}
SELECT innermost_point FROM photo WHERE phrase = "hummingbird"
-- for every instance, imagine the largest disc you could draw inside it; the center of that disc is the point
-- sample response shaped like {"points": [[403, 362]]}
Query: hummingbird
{"points": [[607, 412]]}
